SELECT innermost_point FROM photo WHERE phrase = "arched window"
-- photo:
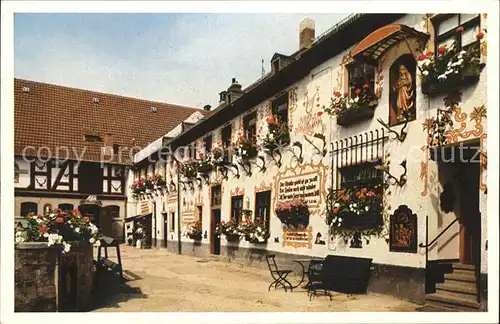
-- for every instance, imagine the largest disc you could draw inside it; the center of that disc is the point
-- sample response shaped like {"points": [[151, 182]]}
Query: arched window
{"points": [[66, 207], [402, 93], [28, 207]]}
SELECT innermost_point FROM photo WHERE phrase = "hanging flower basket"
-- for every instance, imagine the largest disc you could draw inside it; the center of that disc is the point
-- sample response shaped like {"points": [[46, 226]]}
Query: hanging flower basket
{"points": [[205, 166], [189, 169], [194, 231], [277, 134], [453, 68], [294, 213], [353, 116], [245, 148]]}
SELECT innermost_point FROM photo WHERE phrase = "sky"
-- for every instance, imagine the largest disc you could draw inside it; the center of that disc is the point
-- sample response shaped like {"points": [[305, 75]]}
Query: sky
{"points": [[184, 59]]}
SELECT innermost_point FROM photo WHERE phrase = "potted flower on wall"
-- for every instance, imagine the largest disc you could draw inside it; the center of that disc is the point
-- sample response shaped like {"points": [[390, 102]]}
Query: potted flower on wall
{"points": [[57, 228], [245, 148], [293, 213], [158, 181], [189, 169], [205, 164], [450, 69], [351, 109], [277, 133], [194, 231], [355, 208], [255, 232], [138, 187], [230, 230]]}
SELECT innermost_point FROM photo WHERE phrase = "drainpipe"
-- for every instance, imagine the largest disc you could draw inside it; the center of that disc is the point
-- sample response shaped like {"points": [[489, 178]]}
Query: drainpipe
{"points": [[178, 214]]}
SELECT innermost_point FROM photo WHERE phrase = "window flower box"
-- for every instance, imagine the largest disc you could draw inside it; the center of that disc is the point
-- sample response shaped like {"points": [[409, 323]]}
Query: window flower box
{"points": [[254, 232], [230, 230], [245, 148], [453, 68], [189, 169], [350, 110], [277, 135], [205, 166]]}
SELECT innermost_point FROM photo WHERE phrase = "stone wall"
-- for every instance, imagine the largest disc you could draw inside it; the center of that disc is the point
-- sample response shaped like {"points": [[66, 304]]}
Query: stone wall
{"points": [[48, 281]]}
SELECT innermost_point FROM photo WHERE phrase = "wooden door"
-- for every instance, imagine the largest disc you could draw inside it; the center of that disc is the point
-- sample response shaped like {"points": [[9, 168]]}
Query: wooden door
{"points": [[214, 239], [470, 217]]}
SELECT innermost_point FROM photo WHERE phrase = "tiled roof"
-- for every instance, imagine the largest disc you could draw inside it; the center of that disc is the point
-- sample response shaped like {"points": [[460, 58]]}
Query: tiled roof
{"points": [[55, 116]]}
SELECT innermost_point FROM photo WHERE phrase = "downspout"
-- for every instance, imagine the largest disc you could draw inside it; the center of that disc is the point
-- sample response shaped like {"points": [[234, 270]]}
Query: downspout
{"points": [[179, 245]]}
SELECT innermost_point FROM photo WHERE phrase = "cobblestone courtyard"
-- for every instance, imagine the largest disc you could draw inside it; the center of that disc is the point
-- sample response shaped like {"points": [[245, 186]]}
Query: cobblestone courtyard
{"points": [[159, 281]]}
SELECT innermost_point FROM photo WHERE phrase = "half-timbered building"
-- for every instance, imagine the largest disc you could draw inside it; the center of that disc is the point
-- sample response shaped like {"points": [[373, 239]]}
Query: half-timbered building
{"points": [[74, 148]]}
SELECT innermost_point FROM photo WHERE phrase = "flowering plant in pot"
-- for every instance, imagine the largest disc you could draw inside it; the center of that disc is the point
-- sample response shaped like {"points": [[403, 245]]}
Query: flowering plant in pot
{"points": [[189, 169], [229, 229], [359, 208], [451, 68], [245, 148], [349, 109], [205, 164], [158, 180], [138, 187], [254, 231], [277, 133], [57, 228], [194, 231], [293, 213]]}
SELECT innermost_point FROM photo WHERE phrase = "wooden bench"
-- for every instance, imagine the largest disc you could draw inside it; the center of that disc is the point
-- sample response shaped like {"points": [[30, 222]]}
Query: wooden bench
{"points": [[105, 262], [346, 274]]}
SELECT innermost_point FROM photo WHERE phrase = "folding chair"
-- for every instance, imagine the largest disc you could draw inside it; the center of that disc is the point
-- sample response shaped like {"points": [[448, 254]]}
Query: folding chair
{"points": [[317, 277], [279, 276]]}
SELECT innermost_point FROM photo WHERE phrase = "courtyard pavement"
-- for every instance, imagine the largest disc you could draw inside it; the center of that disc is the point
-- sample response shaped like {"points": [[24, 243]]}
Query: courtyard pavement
{"points": [[159, 281]]}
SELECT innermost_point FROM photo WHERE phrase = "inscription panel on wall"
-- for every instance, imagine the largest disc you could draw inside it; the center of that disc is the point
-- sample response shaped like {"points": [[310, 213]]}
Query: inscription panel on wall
{"points": [[303, 181], [297, 237]]}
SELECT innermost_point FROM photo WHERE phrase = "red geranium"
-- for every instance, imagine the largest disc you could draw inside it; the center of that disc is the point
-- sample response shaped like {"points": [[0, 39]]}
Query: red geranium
{"points": [[43, 228], [441, 50], [320, 113], [85, 219], [429, 53], [59, 220], [358, 91], [366, 85], [346, 94], [480, 36], [422, 57], [336, 93], [460, 29]]}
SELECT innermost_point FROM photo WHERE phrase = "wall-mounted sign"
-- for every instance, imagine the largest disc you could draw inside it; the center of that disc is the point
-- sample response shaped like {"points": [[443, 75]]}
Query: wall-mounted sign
{"points": [[188, 217], [303, 181], [403, 230], [144, 207], [297, 237]]}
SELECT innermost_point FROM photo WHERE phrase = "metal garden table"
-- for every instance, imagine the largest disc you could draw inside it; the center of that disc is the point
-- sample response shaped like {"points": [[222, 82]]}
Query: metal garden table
{"points": [[302, 261]]}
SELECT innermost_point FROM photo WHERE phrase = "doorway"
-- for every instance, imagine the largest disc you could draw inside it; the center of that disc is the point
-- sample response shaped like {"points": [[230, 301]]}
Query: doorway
{"points": [[214, 239], [470, 216]]}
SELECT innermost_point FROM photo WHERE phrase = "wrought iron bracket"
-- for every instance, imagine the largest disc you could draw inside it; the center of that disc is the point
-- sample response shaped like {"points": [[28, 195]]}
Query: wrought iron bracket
{"points": [[172, 186], [401, 181], [206, 177], [223, 169], [401, 136], [183, 185], [200, 182], [191, 185], [247, 167], [298, 158], [232, 166], [271, 154], [262, 168], [316, 148]]}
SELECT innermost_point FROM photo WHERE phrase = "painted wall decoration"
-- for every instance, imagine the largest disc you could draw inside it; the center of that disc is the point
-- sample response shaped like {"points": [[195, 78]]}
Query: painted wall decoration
{"points": [[379, 78], [403, 230], [144, 207], [237, 192], [310, 123], [187, 210], [263, 187], [307, 181], [292, 106], [297, 238], [319, 239]]}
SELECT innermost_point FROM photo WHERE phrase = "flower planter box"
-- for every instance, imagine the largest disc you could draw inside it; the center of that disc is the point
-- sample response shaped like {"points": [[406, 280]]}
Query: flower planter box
{"points": [[464, 79], [354, 116], [293, 221], [368, 220], [255, 241], [205, 169], [196, 237], [232, 237], [251, 153]]}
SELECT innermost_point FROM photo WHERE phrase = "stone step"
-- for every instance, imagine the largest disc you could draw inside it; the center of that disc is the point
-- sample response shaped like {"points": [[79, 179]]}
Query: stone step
{"points": [[450, 300], [462, 266], [468, 288], [461, 276]]}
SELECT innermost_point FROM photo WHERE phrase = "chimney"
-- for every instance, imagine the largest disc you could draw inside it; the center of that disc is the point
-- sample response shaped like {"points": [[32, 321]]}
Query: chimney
{"points": [[234, 91], [306, 33], [207, 107], [222, 95]]}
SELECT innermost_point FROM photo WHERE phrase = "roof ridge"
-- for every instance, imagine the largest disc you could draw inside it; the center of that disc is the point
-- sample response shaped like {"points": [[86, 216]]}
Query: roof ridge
{"points": [[108, 94]]}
